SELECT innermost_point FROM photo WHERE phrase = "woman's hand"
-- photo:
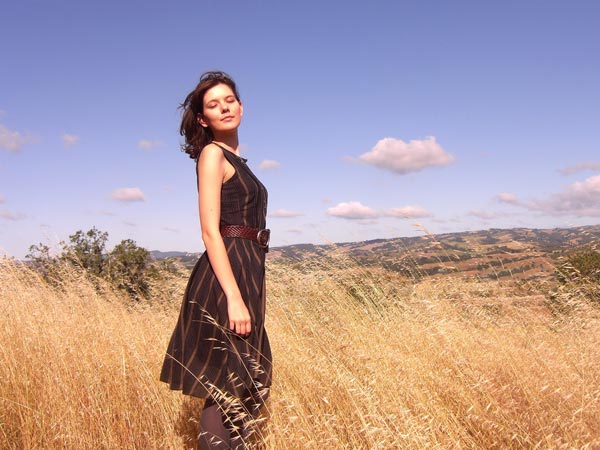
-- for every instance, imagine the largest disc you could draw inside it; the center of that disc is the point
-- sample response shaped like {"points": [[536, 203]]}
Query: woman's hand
{"points": [[239, 317]]}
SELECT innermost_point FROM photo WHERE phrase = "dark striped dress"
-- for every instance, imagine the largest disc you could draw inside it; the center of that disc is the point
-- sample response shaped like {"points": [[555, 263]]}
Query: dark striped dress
{"points": [[204, 358]]}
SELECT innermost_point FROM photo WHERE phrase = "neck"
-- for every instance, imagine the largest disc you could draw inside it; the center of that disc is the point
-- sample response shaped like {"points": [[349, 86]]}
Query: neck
{"points": [[229, 140]]}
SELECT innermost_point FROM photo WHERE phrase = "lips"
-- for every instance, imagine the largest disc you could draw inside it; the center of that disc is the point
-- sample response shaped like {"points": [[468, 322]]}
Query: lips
{"points": [[227, 118]]}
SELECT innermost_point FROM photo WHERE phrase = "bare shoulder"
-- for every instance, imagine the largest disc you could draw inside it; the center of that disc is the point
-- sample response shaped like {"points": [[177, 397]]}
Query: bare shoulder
{"points": [[211, 152], [211, 159]]}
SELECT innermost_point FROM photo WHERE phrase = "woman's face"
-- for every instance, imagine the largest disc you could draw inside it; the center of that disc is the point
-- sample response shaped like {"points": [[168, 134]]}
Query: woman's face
{"points": [[222, 111]]}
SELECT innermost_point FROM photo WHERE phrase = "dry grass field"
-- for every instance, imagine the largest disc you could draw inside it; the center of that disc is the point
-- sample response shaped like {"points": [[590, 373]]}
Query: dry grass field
{"points": [[364, 359]]}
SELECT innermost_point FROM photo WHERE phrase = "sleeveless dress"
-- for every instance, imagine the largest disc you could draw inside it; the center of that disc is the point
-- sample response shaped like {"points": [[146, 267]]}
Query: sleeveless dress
{"points": [[204, 358]]}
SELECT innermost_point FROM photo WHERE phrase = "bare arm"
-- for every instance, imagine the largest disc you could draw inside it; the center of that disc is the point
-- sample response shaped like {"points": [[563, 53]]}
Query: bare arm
{"points": [[212, 168]]}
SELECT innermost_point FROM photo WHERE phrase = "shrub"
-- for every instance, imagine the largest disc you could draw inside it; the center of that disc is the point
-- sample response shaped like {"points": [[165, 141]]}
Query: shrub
{"points": [[580, 272], [127, 266]]}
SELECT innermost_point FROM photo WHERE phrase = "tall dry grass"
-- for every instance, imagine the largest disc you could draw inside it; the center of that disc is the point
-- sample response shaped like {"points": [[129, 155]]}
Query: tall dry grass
{"points": [[363, 359]]}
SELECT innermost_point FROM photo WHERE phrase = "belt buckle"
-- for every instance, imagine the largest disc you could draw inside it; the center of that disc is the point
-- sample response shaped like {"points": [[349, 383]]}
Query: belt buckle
{"points": [[263, 237]]}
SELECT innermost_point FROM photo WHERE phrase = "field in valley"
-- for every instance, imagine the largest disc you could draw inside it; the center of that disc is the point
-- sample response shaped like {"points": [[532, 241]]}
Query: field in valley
{"points": [[365, 358]]}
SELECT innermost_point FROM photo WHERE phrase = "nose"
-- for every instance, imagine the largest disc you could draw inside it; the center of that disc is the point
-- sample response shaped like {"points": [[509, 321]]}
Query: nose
{"points": [[224, 107]]}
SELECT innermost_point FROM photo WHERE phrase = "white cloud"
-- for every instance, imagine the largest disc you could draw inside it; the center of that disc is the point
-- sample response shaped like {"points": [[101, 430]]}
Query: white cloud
{"points": [[580, 199], [352, 210], [129, 223], [133, 194], [505, 197], [269, 164], [408, 212], [284, 213], [2, 199], [170, 229], [580, 168], [13, 141], [356, 210], [10, 216], [400, 157], [69, 140], [294, 230], [147, 144]]}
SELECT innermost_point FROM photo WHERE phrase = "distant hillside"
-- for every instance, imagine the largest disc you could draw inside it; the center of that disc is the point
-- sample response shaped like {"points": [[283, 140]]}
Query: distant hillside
{"points": [[494, 253], [186, 258]]}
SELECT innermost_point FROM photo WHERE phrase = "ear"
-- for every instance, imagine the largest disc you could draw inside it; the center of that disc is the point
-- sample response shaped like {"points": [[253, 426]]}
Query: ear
{"points": [[201, 120]]}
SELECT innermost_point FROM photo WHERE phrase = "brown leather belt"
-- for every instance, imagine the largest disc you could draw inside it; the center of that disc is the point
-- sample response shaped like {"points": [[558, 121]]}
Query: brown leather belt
{"points": [[261, 237]]}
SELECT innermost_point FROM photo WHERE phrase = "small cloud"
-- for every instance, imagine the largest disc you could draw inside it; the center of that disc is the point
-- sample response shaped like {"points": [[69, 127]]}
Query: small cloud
{"points": [[505, 197], [13, 141], [408, 212], [284, 213], [440, 220], [133, 194], [2, 199], [487, 215], [10, 216], [352, 210], [269, 164], [294, 230], [580, 168], [170, 229], [147, 144], [400, 157], [327, 200], [447, 220], [129, 224], [483, 215], [69, 140]]}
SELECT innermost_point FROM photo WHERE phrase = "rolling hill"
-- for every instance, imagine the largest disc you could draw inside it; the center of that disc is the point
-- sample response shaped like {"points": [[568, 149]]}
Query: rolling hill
{"points": [[521, 253]]}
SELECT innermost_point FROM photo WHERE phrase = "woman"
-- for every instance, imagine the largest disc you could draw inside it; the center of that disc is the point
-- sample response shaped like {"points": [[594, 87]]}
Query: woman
{"points": [[219, 349]]}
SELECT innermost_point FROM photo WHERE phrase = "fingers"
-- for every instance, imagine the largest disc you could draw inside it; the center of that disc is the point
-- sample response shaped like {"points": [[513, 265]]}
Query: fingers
{"points": [[244, 329], [241, 327]]}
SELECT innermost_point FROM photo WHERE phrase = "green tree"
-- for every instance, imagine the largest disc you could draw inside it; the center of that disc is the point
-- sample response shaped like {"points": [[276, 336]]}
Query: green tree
{"points": [[43, 261], [39, 254], [87, 250], [128, 267]]}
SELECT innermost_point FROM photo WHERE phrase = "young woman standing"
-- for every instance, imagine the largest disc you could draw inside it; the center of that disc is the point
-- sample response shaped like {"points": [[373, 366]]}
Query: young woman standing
{"points": [[219, 349]]}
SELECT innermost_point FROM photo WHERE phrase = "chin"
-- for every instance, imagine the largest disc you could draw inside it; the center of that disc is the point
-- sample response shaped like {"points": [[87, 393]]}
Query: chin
{"points": [[229, 126]]}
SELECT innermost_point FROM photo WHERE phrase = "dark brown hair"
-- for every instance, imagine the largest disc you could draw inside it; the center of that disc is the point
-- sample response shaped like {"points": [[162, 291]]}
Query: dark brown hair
{"points": [[197, 136]]}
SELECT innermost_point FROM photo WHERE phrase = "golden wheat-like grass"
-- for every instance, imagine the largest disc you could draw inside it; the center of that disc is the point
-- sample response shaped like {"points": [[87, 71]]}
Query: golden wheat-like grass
{"points": [[364, 359]]}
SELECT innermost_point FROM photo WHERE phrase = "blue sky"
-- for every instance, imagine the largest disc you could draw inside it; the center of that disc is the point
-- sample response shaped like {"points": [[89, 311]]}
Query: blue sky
{"points": [[363, 119]]}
